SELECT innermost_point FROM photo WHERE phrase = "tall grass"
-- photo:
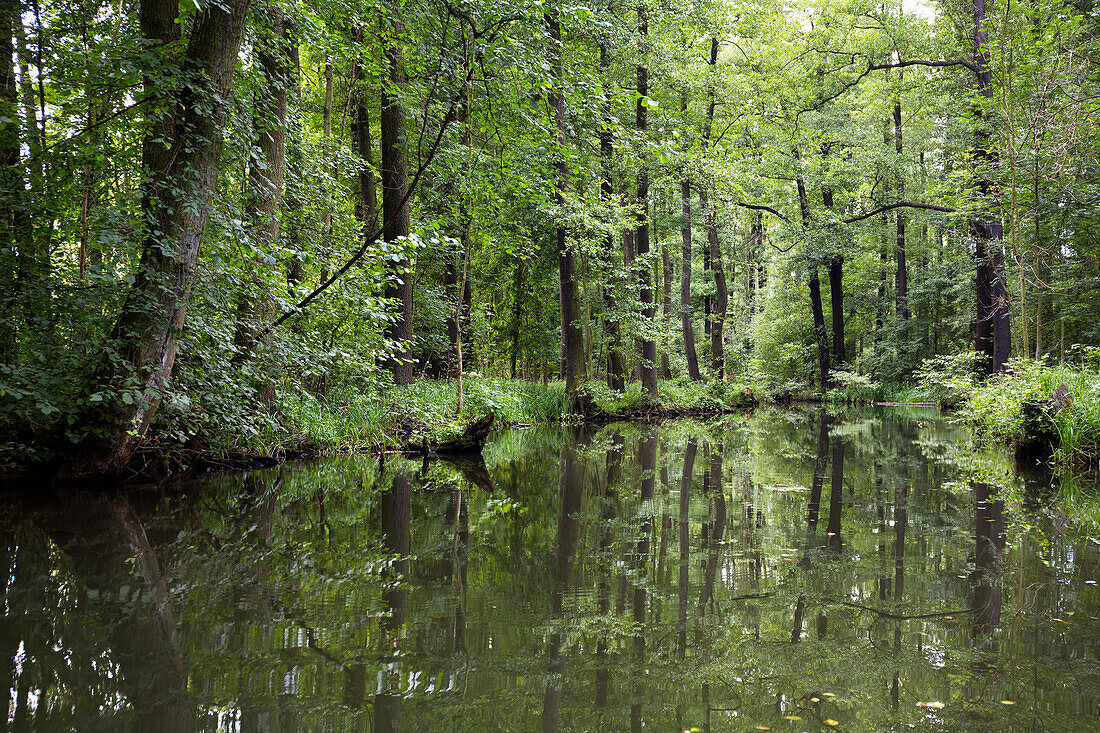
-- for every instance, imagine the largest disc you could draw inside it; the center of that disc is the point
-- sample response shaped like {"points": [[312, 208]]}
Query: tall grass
{"points": [[994, 410], [350, 420]]}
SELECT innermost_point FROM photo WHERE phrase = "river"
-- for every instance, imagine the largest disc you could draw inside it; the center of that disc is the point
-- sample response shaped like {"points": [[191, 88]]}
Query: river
{"points": [[788, 570]]}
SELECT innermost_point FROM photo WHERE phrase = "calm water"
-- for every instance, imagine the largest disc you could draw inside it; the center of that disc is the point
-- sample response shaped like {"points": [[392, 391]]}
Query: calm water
{"points": [[785, 571]]}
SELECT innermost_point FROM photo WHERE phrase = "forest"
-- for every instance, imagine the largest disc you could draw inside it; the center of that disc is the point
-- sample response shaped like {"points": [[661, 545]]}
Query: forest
{"points": [[264, 226]]}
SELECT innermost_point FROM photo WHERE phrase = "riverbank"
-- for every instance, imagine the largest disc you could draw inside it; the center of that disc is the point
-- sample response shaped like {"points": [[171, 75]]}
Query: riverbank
{"points": [[408, 418]]}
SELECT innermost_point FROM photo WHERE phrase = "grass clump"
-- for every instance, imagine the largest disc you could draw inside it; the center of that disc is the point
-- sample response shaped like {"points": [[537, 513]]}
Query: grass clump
{"points": [[994, 409], [394, 415]]}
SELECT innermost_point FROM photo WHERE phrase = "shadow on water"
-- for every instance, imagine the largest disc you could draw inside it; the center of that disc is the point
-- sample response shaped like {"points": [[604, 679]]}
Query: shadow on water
{"points": [[634, 577]]}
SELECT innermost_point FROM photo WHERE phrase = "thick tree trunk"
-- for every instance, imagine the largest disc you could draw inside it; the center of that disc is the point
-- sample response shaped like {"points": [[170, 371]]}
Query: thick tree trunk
{"points": [[993, 335], [395, 214], [143, 342], [648, 364], [836, 291], [686, 325], [572, 336]]}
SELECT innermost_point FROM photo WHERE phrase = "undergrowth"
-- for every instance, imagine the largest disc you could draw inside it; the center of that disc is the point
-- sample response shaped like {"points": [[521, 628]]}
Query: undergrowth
{"points": [[995, 408]]}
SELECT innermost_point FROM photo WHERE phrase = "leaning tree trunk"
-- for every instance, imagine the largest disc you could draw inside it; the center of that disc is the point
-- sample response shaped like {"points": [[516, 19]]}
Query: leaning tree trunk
{"points": [[395, 212], [572, 337], [685, 283], [142, 345], [641, 237], [993, 335]]}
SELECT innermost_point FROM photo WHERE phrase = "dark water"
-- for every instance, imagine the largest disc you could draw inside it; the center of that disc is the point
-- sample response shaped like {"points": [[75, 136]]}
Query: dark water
{"points": [[782, 571]]}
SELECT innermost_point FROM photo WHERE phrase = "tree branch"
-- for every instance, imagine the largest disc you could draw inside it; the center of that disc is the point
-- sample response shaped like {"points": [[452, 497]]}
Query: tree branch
{"points": [[448, 118], [898, 205]]}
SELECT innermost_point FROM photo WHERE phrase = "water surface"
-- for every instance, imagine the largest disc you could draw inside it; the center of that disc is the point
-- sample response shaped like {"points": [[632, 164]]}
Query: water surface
{"points": [[788, 570]]}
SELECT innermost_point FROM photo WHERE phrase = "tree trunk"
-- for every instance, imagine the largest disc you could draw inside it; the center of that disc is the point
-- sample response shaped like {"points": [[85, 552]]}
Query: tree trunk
{"points": [[143, 342], [616, 370], [648, 364], [685, 283], [12, 214], [901, 277], [721, 298], [395, 214], [820, 333], [368, 195], [666, 310], [714, 251], [836, 294], [572, 337], [836, 291], [993, 334], [265, 174]]}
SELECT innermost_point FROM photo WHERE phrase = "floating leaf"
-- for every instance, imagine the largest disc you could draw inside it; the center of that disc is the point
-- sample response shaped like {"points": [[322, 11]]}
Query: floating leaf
{"points": [[762, 727], [830, 721], [827, 694], [792, 717], [1008, 702], [815, 699], [937, 704]]}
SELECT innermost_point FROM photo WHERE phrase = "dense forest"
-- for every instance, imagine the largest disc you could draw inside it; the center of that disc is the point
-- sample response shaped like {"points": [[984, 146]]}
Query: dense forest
{"points": [[221, 220]]}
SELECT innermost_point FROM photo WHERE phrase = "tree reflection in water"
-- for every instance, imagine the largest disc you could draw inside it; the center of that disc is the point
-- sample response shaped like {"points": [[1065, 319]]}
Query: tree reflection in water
{"points": [[555, 587]]}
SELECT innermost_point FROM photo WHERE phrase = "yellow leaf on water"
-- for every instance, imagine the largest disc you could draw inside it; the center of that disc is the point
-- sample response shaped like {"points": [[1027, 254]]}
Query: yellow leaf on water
{"points": [[815, 699], [827, 694], [1008, 702], [762, 727], [830, 721], [949, 618], [937, 704], [792, 717]]}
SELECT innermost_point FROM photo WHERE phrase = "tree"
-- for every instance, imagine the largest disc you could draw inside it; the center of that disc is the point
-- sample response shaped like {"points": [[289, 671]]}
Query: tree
{"points": [[182, 169]]}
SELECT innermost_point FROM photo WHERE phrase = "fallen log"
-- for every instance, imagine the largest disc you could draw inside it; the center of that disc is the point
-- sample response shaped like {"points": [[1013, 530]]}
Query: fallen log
{"points": [[472, 440]]}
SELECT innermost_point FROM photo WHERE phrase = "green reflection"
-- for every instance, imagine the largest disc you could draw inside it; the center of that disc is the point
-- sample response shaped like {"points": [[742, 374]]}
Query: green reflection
{"points": [[720, 575]]}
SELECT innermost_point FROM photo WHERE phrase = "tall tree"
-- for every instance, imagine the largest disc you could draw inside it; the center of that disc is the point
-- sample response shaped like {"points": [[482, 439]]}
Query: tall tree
{"points": [[265, 172], [721, 298], [648, 364], [572, 337], [993, 333], [686, 326], [183, 168], [395, 210]]}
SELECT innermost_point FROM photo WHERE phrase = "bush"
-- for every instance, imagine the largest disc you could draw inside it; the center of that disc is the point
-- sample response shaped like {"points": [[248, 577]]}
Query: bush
{"points": [[949, 380]]}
